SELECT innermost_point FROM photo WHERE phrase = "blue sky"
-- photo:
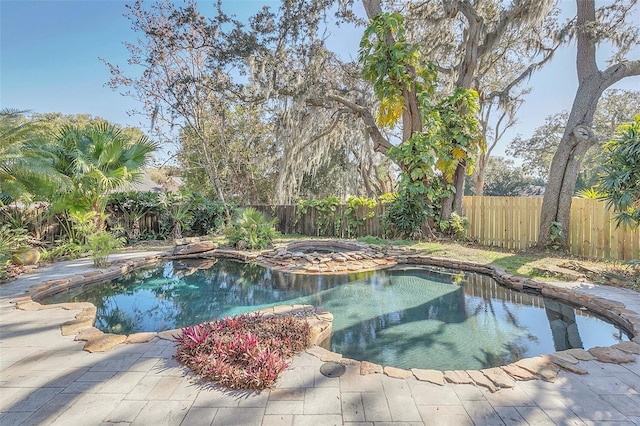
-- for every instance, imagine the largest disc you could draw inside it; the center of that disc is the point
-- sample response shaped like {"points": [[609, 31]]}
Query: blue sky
{"points": [[50, 52]]}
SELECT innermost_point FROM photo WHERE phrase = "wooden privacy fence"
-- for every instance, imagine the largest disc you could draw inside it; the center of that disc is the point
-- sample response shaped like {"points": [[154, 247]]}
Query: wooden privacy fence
{"points": [[506, 222], [513, 222], [313, 223]]}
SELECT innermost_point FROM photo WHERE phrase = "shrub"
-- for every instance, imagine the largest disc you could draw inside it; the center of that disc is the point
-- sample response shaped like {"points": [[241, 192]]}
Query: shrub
{"points": [[243, 352], [11, 240], [456, 226], [405, 215], [102, 244], [252, 230], [208, 215]]}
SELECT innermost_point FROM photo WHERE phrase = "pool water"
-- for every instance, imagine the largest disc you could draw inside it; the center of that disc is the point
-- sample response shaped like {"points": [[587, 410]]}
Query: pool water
{"points": [[406, 317]]}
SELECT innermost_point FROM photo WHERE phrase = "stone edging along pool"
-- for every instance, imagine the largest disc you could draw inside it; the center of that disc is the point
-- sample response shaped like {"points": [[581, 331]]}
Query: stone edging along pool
{"points": [[355, 257]]}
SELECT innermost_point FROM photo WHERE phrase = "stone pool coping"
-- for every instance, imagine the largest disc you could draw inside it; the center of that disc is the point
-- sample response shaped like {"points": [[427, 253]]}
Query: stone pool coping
{"points": [[545, 367]]}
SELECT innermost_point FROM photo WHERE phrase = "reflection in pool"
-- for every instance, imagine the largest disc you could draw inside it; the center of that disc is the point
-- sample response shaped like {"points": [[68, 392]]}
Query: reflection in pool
{"points": [[409, 317]]}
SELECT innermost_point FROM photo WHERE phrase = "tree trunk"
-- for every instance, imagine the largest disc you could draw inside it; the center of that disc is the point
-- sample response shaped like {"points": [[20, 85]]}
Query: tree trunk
{"points": [[478, 176], [578, 136]]}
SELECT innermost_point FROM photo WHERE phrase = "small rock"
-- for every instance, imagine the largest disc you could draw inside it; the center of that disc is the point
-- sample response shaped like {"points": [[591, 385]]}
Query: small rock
{"points": [[568, 366], [482, 380], [104, 343], [499, 377], [75, 326], [367, 367], [540, 365], [141, 337], [397, 373], [564, 356], [458, 377], [169, 334], [88, 334], [323, 354], [194, 248], [431, 376], [518, 373], [579, 354], [629, 347], [29, 306], [611, 355], [87, 314]]}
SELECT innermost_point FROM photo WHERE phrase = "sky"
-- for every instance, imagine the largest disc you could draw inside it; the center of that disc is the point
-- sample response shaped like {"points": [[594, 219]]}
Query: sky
{"points": [[50, 54]]}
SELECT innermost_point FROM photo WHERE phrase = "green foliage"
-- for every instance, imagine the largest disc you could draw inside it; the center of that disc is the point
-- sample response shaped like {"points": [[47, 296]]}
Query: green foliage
{"points": [[177, 213], [556, 236], [252, 230], [208, 215], [357, 211], [456, 226], [619, 180], [589, 193], [11, 240], [387, 197], [97, 159], [394, 67], [25, 162], [77, 226], [102, 244], [326, 210], [370, 239], [448, 135], [405, 216], [504, 179]]}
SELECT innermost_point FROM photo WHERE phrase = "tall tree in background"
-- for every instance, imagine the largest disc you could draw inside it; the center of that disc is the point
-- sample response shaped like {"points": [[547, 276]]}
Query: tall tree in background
{"points": [[185, 77], [246, 174], [319, 106], [615, 107], [473, 42], [591, 29]]}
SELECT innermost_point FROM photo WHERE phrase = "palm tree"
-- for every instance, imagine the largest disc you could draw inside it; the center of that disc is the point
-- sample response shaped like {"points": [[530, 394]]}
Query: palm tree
{"points": [[26, 165], [97, 159]]}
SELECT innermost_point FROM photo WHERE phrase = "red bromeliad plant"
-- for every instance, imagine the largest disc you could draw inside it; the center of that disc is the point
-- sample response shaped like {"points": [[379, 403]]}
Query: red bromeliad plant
{"points": [[243, 352]]}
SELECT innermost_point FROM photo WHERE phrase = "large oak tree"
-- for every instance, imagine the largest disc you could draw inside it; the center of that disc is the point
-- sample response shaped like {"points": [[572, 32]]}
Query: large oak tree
{"points": [[592, 28]]}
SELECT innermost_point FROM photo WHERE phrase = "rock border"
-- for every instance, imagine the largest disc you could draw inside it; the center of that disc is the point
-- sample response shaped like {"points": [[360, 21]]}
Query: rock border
{"points": [[363, 257]]}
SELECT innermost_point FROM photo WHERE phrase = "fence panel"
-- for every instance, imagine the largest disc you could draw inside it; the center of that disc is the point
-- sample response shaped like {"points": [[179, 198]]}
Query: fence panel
{"points": [[507, 222]]}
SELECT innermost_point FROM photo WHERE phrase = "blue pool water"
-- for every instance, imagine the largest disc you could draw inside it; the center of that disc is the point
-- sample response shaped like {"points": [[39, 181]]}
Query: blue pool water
{"points": [[409, 317]]}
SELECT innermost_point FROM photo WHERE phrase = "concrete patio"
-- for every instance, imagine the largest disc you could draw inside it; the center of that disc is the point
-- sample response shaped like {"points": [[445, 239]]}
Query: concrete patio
{"points": [[47, 378]]}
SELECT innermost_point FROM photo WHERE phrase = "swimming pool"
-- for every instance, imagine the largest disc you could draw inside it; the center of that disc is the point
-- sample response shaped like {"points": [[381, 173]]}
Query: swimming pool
{"points": [[406, 317]]}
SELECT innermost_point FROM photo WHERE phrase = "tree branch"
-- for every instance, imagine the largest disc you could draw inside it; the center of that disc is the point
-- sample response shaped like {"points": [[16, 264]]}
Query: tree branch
{"points": [[380, 143]]}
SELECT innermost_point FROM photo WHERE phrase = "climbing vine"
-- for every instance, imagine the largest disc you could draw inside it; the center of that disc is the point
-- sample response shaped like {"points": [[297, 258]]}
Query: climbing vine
{"points": [[357, 210], [326, 210], [443, 136]]}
